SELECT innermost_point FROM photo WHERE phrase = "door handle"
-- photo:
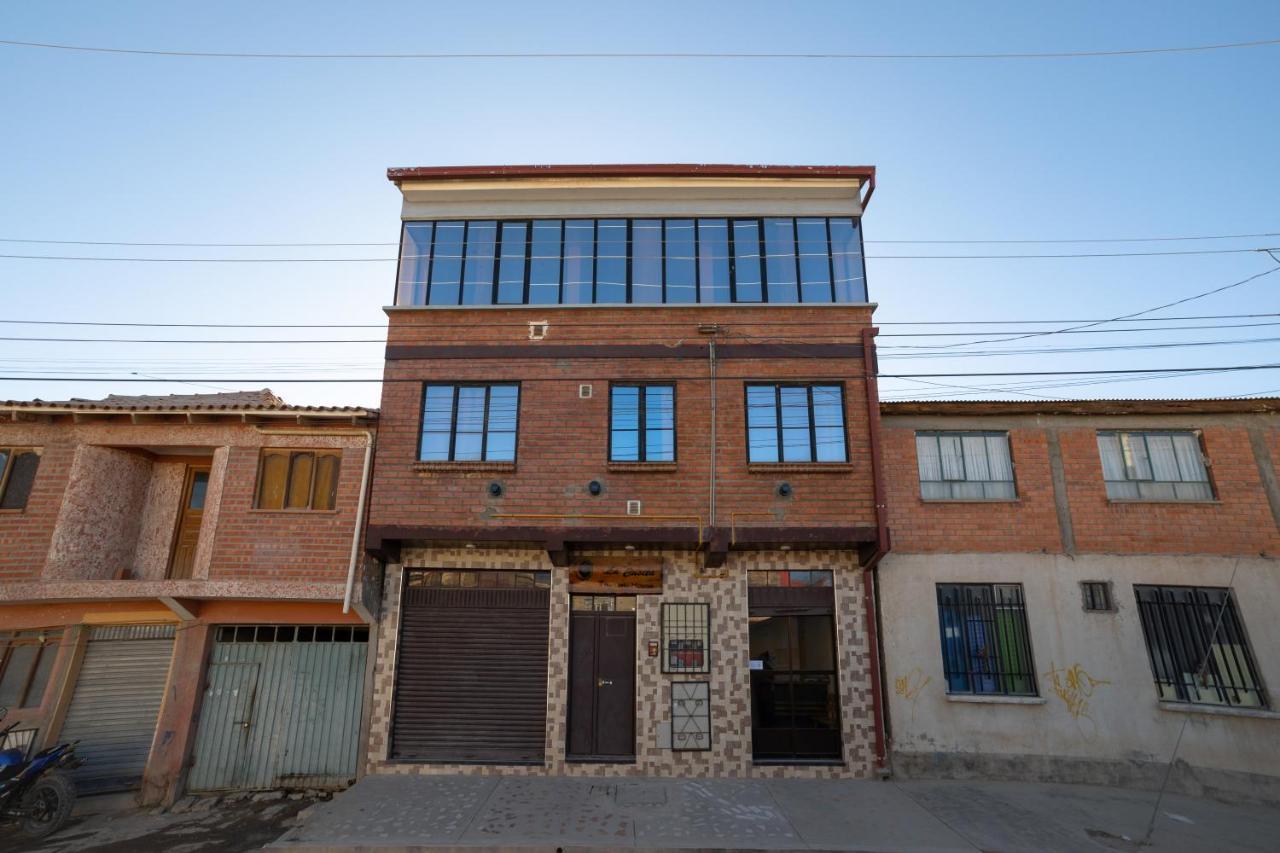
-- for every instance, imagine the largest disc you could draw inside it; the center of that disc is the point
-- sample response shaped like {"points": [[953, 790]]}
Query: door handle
{"points": [[603, 682]]}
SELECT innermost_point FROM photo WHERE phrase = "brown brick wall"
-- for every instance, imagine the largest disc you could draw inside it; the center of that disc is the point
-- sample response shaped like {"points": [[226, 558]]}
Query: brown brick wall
{"points": [[246, 544], [563, 440], [1028, 524], [1239, 521]]}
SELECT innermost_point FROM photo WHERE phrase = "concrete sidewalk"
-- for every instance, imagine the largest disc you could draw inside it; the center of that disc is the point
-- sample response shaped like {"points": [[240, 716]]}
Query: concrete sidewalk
{"points": [[403, 813]]}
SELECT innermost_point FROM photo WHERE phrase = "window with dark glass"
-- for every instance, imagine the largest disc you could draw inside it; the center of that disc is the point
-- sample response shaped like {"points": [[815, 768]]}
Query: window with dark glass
{"points": [[795, 423], [1198, 648], [26, 659], [469, 423], [1154, 466], [642, 423], [17, 475], [640, 261], [986, 647], [292, 479]]}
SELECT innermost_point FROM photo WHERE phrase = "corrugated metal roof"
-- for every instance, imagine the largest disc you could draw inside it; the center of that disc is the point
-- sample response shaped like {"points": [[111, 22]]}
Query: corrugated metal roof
{"points": [[629, 170], [261, 400], [1129, 406]]}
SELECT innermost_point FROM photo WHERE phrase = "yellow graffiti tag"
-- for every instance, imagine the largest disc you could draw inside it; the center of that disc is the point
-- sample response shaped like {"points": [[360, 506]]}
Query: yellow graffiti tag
{"points": [[910, 686], [1075, 687]]}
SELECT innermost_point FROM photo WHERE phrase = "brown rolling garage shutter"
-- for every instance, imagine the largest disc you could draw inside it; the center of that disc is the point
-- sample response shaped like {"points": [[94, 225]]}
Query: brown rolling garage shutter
{"points": [[471, 679]]}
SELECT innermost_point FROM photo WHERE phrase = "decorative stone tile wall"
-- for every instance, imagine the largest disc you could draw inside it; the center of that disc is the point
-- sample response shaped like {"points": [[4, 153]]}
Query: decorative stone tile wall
{"points": [[730, 678]]}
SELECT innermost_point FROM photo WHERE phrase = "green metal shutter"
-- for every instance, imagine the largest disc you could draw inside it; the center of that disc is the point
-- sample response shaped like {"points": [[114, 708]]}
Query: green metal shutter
{"points": [[281, 711], [116, 703]]}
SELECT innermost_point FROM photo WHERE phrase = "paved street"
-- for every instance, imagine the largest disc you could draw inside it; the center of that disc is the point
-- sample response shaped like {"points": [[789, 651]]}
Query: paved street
{"points": [[400, 813]]}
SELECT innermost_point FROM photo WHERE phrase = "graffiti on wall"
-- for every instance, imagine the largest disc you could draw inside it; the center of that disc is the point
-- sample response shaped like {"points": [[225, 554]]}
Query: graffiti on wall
{"points": [[910, 686], [1075, 687]]}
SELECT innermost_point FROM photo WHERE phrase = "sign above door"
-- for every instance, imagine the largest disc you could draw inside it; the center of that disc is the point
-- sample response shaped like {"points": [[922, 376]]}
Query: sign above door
{"points": [[616, 575]]}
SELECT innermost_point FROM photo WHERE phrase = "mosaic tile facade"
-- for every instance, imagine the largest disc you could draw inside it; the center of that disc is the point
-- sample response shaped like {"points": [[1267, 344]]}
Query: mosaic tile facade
{"points": [[730, 679]]}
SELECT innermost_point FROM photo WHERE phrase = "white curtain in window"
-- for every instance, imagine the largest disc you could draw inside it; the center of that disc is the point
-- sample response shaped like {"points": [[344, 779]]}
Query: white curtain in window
{"points": [[1137, 465], [1112, 456], [998, 455], [927, 458], [1164, 462], [952, 457], [1190, 461], [975, 458]]}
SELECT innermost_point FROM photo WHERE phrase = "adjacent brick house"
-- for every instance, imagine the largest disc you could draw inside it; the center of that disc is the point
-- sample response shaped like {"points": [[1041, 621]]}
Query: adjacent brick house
{"points": [[1076, 587], [163, 561], [626, 488]]}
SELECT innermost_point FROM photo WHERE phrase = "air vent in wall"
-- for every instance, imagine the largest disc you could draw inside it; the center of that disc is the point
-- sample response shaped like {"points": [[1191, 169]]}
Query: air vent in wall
{"points": [[584, 392], [633, 507]]}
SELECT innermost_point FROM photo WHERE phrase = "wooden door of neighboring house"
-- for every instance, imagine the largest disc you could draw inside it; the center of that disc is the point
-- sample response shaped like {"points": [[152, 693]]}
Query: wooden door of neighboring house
{"points": [[189, 518]]}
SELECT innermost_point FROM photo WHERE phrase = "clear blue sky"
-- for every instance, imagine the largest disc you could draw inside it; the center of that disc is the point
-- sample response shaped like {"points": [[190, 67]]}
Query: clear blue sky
{"points": [[133, 148]]}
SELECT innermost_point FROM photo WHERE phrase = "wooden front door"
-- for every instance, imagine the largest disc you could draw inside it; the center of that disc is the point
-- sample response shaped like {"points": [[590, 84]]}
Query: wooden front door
{"points": [[189, 517], [602, 684]]}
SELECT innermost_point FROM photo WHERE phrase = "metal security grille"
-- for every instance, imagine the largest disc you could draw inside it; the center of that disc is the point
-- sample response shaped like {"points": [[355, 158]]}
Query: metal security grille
{"points": [[1097, 596], [986, 647], [1198, 648], [471, 674], [686, 637]]}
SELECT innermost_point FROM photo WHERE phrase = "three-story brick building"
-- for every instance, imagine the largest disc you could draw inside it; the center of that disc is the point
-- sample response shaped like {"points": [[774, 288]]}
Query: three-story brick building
{"points": [[626, 487]]}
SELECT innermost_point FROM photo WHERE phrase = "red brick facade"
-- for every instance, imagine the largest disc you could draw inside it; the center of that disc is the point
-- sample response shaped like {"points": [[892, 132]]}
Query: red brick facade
{"points": [[1239, 521], [563, 438]]}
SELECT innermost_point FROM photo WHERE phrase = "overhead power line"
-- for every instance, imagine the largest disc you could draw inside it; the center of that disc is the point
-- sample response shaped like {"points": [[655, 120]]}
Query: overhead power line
{"points": [[101, 258], [643, 55], [283, 245], [701, 378]]}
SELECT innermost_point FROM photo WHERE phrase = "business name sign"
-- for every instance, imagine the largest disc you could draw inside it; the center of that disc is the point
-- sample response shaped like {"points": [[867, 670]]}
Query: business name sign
{"points": [[617, 576]]}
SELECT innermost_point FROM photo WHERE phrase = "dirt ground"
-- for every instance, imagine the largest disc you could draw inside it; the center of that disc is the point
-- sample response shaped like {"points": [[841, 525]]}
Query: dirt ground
{"points": [[230, 824]]}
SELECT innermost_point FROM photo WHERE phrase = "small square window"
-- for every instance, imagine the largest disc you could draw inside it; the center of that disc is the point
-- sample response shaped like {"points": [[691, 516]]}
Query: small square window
{"points": [[686, 637], [1097, 596]]}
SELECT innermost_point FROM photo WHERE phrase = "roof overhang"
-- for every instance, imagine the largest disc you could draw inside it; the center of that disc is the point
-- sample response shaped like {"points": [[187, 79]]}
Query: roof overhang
{"points": [[669, 189]]}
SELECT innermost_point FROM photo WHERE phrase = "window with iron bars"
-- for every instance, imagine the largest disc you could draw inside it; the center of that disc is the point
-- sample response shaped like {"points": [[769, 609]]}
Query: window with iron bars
{"points": [[1198, 648], [986, 647]]}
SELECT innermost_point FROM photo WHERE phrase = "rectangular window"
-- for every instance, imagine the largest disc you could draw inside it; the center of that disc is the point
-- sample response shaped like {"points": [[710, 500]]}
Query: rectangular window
{"points": [[681, 266], [642, 423], [795, 423], [446, 262], [477, 274], [714, 260], [748, 279], [297, 479], [415, 263], [1154, 466], [986, 648], [1197, 645], [815, 260], [965, 466], [611, 261], [1097, 596], [544, 263], [17, 475], [469, 423], [686, 637], [780, 260], [511, 263], [26, 659], [579, 261]]}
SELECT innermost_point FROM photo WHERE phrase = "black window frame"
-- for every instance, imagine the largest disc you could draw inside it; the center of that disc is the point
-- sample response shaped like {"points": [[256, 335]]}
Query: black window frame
{"points": [[12, 454], [813, 438], [1097, 597], [642, 451], [453, 421], [730, 224], [1006, 676], [1188, 648]]}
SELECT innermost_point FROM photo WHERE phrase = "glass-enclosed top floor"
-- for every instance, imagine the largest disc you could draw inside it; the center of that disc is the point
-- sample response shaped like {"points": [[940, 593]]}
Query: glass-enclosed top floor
{"points": [[785, 260]]}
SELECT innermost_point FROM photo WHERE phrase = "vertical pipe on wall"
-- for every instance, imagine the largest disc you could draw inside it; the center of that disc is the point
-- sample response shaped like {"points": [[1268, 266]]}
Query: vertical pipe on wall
{"points": [[882, 542], [359, 525]]}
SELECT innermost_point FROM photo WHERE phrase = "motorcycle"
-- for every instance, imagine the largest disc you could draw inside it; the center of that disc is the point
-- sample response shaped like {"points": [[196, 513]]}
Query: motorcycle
{"points": [[35, 793]]}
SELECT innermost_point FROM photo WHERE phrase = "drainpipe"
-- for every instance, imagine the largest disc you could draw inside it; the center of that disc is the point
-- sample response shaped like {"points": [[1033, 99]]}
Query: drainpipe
{"points": [[711, 513], [869, 586], [360, 507]]}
